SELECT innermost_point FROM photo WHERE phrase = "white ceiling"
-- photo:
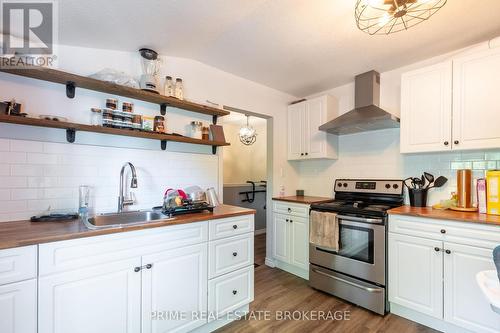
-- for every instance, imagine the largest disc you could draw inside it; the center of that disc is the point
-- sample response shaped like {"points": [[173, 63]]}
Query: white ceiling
{"points": [[296, 46]]}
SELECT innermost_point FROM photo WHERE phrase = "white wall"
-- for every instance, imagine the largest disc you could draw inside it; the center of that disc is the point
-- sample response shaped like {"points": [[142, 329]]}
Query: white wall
{"points": [[376, 154], [241, 162], [201, 82]]}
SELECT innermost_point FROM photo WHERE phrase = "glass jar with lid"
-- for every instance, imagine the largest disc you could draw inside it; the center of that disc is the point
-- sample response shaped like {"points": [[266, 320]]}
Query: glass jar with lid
{"points": [[196, 129]]}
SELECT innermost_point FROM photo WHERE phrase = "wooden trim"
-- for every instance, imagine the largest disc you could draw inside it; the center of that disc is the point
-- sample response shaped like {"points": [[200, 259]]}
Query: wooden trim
{"points": [[56, 76], [106, 130]]}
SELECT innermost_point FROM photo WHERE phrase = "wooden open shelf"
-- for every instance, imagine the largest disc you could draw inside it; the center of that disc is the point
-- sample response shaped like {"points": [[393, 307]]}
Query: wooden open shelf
{"points": [[71, 128], [72, 81]]}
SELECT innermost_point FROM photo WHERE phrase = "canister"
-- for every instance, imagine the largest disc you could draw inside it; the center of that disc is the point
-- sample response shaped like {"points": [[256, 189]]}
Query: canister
{"points": [[493, 191]]}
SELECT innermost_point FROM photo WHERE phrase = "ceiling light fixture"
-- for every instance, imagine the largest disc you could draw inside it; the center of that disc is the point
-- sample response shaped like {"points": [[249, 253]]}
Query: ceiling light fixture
{"points": [[383, 17], [248, 135]]}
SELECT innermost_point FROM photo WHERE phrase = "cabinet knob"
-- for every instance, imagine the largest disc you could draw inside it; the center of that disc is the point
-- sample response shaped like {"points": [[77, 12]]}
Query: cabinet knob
{"points": [[456, 142], [301, 154], [443, 231], [137, 269], [447, 251], [148, 266], [446, 143], [235, 254], [291, 221], [289, 210], [437, 249], [235, 292], [235, 226], [307, 154], [287, 220]]}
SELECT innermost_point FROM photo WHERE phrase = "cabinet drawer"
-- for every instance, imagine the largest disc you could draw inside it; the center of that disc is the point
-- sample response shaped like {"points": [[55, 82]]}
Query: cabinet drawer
{"points": [[229, 254], [18, 264], [282, 207], [84, 252], [231, 291], [231, 226], [466, 233]]}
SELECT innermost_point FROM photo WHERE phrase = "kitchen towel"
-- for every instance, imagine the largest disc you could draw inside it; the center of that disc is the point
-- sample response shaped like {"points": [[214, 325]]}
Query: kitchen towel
{"points": [[324, 230]]}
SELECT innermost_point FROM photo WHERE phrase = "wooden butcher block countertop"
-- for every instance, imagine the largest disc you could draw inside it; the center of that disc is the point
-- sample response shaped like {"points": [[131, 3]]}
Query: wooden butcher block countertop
{"points": [[428, 212], [22, 233], [303, 199]]}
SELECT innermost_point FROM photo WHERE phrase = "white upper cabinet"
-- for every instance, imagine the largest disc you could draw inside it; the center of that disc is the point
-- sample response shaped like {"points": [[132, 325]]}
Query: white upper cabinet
{"points": [[305, 140], [476, 100], [454, 105], [426, 109]]}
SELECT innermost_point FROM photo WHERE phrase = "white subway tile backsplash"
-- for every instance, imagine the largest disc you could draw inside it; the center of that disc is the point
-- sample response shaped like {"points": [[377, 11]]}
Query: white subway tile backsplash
{"points": [[35, 175], [39, 158], [12, 157], [26, 146]]}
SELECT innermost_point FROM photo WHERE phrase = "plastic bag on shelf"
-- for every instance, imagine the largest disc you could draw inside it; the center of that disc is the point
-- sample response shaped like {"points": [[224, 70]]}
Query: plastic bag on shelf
{"points": [[112, 75]]}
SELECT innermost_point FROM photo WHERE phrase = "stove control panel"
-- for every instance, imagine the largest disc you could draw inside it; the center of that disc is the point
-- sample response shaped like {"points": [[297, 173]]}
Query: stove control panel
{"points": [[369, 186]]}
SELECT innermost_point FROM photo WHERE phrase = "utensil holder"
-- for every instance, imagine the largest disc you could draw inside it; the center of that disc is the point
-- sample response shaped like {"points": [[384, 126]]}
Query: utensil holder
{"points": [[418, 197]]}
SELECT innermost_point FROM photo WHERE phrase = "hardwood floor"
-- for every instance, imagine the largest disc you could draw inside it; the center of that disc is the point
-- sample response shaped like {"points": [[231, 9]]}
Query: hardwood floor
{"points": [[277, 291], [260, 249]]}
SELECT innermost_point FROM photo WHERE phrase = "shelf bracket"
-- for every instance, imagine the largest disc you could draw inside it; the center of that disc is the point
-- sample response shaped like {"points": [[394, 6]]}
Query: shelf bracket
{"points": [[70, 135], [163, 144], [214, 150], [70, 89], [163, 109], [214, 119]]}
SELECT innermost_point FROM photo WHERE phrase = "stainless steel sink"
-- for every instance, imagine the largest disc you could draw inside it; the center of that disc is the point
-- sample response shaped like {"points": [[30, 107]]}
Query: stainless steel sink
{"points": [[118, 220]]}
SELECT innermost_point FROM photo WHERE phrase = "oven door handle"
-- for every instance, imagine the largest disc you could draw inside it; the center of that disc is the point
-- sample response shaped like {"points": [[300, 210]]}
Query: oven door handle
{"points": [[360, 219], [371, 290]]}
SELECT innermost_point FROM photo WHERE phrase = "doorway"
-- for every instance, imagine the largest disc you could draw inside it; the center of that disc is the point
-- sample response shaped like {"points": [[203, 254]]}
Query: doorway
{"points": [[245, 170]]}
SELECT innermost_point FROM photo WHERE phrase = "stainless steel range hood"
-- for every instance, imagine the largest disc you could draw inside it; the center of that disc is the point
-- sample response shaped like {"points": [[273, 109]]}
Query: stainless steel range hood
{"points": [[367, 115]]}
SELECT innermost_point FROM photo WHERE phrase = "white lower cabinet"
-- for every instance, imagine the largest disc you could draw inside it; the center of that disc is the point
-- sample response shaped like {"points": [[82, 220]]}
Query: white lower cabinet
{"points": [[290, 246], [435, 275], [416, 271], [98, 299], [18, 307], [175, 284], [465, 304]]}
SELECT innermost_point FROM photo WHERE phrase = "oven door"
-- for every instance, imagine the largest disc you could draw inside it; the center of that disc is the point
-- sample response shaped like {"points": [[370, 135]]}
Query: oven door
{"points": [[362, 249]]}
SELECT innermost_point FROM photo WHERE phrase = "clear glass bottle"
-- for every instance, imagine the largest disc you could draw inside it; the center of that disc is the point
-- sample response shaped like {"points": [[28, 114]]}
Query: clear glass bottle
{"points": [[169, 87], [95, 117], [179, 89]]}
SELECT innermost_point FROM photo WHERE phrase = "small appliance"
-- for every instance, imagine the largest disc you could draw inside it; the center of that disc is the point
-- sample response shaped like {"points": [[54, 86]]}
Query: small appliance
{"points": [[150, 68]]}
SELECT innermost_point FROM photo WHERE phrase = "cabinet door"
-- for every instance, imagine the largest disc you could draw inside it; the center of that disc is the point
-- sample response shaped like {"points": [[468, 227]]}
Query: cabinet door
{"points": [[175, 286], [299, 242], [281, 249], [315, 141], [416, 274], [476, 101], [97, 299], [296, 131], [465, 305], [426, 96], [18, 307]]}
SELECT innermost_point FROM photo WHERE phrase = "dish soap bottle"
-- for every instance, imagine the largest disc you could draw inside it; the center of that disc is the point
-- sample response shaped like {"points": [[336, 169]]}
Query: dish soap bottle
{"points": [[282, 191]]}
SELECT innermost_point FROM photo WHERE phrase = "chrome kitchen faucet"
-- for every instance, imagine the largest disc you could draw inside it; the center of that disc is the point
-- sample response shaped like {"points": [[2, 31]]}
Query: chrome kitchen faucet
{"points": [[122, 199]]}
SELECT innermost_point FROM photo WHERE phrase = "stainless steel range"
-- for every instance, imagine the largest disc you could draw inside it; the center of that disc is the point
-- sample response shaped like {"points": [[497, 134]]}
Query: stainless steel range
{"points": [[357, 271]]}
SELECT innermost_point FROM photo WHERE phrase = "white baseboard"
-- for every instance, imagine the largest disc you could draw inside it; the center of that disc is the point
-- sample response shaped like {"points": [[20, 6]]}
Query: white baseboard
{"points": [[303, 273], [259, 231], [270, 262]]}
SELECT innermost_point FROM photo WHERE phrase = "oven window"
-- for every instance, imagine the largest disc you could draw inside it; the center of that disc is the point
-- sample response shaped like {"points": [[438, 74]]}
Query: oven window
{"points": [[356, 243]]}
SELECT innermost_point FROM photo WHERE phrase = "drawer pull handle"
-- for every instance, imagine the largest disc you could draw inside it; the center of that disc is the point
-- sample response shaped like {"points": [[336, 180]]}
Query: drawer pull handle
{"points": [[235, 226], [235, 254], [443, 231], [447, 251], [137, 269], [148, 266], [437, 249], [235, 292]]}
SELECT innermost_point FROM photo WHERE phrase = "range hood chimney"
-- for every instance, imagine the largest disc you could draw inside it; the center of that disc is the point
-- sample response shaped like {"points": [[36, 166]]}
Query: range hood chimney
{"points": [[367, 115]]}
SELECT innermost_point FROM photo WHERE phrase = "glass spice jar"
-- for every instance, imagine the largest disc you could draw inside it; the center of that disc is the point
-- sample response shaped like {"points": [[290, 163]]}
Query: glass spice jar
{"points": [[137, 121], [127, 107], [196, 129], [179, 89], [95, 117], [159, 124], [205, 133], [112, 103]]}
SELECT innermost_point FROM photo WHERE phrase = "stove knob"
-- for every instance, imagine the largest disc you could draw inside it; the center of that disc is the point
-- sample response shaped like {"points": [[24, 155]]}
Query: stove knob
{"points": [[339, 184], [345, 184], [395, 186], [387, 186]]}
